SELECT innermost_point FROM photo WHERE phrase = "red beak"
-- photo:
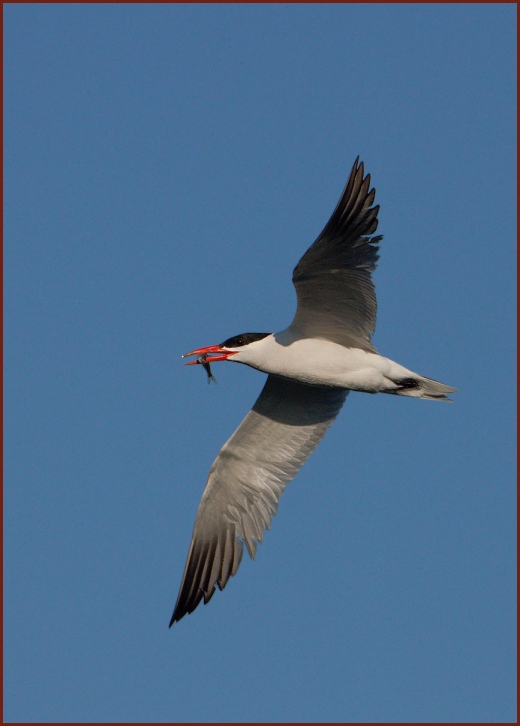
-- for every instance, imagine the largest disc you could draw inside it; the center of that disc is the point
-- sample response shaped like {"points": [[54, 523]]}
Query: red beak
{"points": [[210, 351]]}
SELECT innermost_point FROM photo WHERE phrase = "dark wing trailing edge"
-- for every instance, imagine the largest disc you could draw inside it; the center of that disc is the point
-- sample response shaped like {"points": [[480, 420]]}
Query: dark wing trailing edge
{"points": [[336, 296], [247, 478]]}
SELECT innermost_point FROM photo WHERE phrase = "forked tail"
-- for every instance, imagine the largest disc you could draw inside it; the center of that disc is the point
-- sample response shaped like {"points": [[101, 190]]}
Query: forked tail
{"points": [[421, 387]]}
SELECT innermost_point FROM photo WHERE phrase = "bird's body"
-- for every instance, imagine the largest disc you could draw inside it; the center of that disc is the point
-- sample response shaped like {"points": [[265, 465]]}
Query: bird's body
{"points": [[325, 363], [326, 352]]}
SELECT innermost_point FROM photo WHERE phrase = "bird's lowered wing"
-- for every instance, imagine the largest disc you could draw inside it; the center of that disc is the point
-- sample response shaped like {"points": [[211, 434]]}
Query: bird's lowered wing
{"points": [[336, 296], [247, 478]]}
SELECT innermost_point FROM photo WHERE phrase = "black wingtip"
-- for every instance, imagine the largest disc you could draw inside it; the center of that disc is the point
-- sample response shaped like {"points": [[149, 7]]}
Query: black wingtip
{"points": [[177, 616]]}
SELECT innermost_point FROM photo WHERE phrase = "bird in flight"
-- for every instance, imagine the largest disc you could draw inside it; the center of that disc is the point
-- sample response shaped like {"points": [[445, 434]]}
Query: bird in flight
{"points": [[312, 365]]}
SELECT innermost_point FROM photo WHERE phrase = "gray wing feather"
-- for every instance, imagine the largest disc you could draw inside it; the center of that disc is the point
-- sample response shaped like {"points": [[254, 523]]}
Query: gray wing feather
{"points": [[336, 295], [247, 478]]}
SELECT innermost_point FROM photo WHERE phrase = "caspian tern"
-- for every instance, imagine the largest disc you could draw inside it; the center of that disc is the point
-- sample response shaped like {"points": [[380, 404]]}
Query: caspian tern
{"points": [[313, 364]]}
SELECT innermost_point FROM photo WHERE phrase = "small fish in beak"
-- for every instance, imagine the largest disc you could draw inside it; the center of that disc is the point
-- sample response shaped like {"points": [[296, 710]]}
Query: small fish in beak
{"points": [[203, 360], [208, 355]]}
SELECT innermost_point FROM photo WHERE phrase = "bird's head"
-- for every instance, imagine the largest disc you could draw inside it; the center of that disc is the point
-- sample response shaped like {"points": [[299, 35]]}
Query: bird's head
{"points": [[229, 348]]}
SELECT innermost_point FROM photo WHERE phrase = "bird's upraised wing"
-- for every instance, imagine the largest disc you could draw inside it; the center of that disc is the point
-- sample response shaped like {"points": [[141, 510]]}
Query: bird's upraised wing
{"points": [[247, 478], [336, 296]]}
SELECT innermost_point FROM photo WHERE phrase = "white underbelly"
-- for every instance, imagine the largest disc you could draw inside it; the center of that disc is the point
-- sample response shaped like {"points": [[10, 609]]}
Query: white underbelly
{"points": [[322, 362]]}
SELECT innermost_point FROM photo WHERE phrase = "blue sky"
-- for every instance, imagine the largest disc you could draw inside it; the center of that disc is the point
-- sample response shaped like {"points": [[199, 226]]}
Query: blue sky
{"points": [[166, 166]]}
